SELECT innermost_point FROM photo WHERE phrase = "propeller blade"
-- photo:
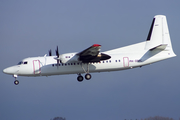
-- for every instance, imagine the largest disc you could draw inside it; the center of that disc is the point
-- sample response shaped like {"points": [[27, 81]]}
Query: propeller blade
{"points": [[50, 53], [57, 52]]}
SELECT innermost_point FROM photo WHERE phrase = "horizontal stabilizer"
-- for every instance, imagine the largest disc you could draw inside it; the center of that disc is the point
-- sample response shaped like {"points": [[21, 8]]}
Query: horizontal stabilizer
{"points": [[159, 47]]}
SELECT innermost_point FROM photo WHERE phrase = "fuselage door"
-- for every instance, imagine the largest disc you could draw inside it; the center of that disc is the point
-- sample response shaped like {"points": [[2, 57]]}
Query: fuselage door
{"points": [[36, 67], [126, 62]]}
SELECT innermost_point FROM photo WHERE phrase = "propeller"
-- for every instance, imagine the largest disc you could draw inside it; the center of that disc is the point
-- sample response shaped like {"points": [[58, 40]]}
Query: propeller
{"points": [[57, 54]]}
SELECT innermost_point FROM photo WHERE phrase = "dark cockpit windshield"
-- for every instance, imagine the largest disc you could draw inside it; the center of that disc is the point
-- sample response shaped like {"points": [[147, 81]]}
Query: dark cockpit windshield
{"points": [[25, 62], [20, 63]]}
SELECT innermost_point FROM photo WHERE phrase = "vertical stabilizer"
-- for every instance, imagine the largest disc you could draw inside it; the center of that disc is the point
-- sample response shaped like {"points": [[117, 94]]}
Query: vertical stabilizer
{"points": [[158, 34]]}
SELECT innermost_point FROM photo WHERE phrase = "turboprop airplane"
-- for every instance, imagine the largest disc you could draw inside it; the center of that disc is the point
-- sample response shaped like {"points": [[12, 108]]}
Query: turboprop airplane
{"points": [[157, 47]]}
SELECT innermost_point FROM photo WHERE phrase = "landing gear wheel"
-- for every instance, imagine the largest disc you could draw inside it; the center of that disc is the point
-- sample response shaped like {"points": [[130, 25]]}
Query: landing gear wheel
{"points": [[80, 78], [88, 76], [16, 82]]}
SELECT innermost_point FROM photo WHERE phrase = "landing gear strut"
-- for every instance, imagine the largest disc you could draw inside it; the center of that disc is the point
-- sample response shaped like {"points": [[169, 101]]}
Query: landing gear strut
{"points": [[16, 82]]}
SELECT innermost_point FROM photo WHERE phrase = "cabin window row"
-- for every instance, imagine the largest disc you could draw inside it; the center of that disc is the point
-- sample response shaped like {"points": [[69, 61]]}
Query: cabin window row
{"points": [[65, 64]]}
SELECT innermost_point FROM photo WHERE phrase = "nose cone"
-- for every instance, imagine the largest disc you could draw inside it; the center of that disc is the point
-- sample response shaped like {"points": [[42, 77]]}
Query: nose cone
{"points": [[5, 70], [11, 70]]}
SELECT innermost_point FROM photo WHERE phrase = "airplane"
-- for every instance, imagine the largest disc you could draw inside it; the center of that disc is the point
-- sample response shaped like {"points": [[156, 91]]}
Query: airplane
{"points": [[157, 47]]}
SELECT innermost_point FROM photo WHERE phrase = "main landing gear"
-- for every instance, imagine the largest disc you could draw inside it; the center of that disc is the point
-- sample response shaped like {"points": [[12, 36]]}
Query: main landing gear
{"points": [[80, 77], [87, 76], [16, 82]]}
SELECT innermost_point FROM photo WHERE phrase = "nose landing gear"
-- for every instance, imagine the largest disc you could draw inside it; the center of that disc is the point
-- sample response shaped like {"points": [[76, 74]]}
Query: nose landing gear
{"points": [[16, 82]]}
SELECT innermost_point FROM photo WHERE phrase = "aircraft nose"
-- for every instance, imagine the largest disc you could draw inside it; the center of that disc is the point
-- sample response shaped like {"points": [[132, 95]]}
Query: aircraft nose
{"points": [[11, 70], [5, 70]]}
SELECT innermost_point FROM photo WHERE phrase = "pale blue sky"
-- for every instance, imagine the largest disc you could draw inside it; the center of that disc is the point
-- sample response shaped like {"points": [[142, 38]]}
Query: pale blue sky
{"points": [[31, 28]]}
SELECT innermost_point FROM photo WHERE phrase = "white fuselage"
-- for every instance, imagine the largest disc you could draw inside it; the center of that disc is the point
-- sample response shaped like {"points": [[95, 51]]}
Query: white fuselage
{"points": [[157, 47], [122, 58]]}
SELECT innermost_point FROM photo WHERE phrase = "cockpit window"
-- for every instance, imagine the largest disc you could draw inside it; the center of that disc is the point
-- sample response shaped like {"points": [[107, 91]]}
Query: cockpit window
{"points": [[20, 63], [25, 62]]}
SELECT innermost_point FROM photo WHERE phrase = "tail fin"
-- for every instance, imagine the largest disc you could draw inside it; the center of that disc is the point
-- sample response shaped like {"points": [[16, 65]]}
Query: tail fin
{"points": [[158, 37]]}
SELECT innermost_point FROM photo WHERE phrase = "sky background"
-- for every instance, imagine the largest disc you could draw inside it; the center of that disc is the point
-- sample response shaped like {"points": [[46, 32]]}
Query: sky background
{"points": [[31, 28]]}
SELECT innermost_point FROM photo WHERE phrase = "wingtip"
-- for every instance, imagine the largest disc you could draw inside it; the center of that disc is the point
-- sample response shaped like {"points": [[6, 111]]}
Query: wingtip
{"points": [[96, 45]]}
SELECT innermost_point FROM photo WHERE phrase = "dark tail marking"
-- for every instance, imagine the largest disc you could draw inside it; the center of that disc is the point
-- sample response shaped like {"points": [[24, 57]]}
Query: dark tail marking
{"points": [[150, 31]]}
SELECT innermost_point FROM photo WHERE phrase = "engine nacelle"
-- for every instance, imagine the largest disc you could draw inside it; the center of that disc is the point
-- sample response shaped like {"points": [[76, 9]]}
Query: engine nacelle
{"points": [[69, 57]]}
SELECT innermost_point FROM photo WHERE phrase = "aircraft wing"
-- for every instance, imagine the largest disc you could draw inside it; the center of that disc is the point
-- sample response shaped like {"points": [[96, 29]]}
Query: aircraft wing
{"points": [[92, 54]]}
